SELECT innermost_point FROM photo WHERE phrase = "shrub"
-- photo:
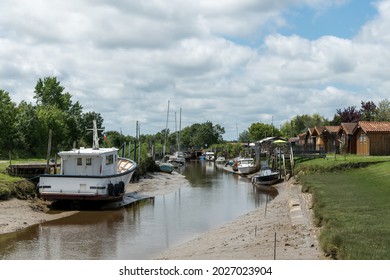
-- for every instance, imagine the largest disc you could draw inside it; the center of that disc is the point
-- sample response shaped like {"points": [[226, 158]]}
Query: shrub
{"points": [[5, 193]]}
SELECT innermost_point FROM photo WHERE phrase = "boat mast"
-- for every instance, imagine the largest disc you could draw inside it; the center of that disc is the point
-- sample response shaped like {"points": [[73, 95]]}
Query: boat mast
{"points": [[166, 131], [95, 140], [95, 145]]}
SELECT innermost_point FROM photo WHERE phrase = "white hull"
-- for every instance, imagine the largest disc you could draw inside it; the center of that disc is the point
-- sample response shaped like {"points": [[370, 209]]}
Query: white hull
{"points": [[82, 187], [247, 169]]}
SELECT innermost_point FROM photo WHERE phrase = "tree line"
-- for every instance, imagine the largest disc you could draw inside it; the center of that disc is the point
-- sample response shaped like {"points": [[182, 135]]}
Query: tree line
{"points": [[24, 127]]}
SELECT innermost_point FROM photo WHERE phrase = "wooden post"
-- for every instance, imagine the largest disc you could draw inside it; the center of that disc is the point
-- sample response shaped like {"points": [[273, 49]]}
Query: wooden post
{"points": [[48, 153], [275, 247]]}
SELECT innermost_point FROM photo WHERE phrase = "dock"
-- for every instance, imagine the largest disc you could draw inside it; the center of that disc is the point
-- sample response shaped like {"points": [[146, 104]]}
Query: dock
{"points": [[128, 199], [30, 170]]}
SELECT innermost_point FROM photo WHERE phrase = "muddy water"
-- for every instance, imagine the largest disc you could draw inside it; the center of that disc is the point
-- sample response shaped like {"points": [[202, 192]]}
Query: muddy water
{"points": [[146, 228]]}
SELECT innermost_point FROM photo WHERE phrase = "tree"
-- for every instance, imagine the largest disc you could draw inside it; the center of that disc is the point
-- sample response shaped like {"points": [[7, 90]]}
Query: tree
{"points": [[368, 111], [244, 137], [383, 111], [201, 135], [259, 131], [29, 129], [7, 123], [49, 92], [349, 115]]}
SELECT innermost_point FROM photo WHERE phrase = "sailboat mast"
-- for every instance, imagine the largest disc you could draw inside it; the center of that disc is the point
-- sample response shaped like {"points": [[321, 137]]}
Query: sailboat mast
{"points": [[178, 140], [166, 131]]}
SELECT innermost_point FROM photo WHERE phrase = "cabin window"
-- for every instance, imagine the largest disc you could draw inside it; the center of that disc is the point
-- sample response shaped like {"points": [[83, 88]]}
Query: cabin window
{"points": [[109, 159], [362, 138], [88, 161], [79, 161]]}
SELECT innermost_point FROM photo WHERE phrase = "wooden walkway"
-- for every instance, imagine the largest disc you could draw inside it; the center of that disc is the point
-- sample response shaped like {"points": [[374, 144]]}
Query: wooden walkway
{"points": [[30, 170]]}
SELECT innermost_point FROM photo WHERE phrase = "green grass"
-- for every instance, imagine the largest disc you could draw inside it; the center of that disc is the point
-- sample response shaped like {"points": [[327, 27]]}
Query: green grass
{"points": [[353, 208], [11, 186]]}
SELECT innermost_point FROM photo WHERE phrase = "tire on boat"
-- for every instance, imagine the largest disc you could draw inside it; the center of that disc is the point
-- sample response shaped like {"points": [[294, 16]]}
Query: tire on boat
{"points": [[116, 189], [110, 189], [121, 187]]}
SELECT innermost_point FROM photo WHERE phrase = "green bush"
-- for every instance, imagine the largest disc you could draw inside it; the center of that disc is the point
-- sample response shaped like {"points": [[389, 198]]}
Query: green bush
{"points": [[5, 193]]}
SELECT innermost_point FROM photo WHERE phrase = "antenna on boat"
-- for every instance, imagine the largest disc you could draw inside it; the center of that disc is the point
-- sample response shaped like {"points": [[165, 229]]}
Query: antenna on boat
{"points": [[95, 143]]}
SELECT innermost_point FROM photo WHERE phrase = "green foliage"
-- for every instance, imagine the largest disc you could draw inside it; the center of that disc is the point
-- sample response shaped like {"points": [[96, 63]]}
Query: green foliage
{"points": [[201, 135], [301, 123], [244, 137], [5, 192], [7, 124], [259, 131], [383, 111]]}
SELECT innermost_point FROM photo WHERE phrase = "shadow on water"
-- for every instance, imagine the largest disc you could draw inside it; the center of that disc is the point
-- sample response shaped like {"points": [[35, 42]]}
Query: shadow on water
{"points": [[144, 229]]}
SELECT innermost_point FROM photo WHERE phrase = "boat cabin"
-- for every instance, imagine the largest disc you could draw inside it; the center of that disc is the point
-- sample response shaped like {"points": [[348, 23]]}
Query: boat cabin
{"points": [[89, 162]]}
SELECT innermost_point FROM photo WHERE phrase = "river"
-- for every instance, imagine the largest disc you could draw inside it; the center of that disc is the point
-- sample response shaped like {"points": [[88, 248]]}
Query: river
{"points": [[146, 228]]}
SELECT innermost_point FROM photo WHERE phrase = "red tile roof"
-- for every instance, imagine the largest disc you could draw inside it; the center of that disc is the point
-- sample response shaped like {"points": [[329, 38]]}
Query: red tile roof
{"points": [[349, 128], [332, 128], [374, 126]]}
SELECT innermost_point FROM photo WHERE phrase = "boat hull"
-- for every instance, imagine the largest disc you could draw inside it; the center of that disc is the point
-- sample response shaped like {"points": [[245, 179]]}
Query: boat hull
{"points": [[80, 187], [167, 168], [265, 180], [247, 169]]}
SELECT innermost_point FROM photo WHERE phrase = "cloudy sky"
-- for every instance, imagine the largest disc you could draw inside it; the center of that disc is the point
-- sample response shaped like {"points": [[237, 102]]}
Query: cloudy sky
{"points": [[231, 62]]}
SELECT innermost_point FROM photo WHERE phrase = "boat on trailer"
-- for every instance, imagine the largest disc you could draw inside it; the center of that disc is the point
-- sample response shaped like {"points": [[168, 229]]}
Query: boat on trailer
{"points": [[88, 174]]}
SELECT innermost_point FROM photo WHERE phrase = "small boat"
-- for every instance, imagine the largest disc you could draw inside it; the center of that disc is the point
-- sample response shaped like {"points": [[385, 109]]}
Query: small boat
{"points": [[177, 159], [209, 156], [265, 177], [246, 166], [220, 160], [88, 174], [166, 167]]}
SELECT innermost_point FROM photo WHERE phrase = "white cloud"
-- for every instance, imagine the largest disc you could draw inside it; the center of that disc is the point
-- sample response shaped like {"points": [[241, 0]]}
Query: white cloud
{"points": [[126, 59]]}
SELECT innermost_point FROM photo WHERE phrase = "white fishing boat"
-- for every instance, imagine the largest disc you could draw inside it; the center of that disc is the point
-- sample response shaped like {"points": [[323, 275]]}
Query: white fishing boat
{"points": [[246, 166], [94, 174]]}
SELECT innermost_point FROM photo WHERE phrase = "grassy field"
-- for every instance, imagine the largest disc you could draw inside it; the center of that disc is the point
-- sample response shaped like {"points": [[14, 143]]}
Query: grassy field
{"points": [[352, 204]]}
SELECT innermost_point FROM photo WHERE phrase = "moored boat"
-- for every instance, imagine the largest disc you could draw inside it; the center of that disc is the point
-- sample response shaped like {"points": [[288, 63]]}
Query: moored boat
{"points": [[246, 166], [265, 177], [166, 167], [209, 156], [94, 174]]}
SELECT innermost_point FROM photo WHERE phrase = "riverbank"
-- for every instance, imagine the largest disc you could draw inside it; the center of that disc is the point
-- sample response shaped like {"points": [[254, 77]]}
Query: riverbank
{"points": [[17, 214], [251, 236], [281, 230]]}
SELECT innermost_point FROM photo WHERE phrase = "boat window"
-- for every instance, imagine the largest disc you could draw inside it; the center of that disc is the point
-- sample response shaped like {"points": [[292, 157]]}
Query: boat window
{"points": [[109, 159], [79, 161], [88, 161]]}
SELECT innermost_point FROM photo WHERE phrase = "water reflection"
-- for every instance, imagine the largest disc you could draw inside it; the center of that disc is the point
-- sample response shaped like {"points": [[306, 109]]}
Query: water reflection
{"points": [[146, 228]]}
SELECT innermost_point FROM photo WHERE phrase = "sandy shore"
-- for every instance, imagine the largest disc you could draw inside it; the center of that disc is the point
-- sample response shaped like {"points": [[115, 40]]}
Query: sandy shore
{"points": [[251, 236]]}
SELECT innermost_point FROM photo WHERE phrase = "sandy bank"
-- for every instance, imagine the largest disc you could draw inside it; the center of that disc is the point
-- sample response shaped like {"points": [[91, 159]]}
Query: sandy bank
{"points": [[16, 214], [252, 236]]}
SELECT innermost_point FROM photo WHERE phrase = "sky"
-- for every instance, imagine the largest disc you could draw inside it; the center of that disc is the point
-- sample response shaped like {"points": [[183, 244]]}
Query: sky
{"points": [[230, 62]]}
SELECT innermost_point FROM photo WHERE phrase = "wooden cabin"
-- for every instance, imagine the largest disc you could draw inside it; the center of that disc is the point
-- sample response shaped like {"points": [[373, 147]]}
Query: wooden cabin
{"points": [[346, 135], [326, 138], [372, 138]]}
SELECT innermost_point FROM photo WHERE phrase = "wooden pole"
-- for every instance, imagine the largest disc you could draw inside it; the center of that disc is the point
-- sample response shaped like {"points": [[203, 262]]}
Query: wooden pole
{"points": [[275, 247], [48, 153]]}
